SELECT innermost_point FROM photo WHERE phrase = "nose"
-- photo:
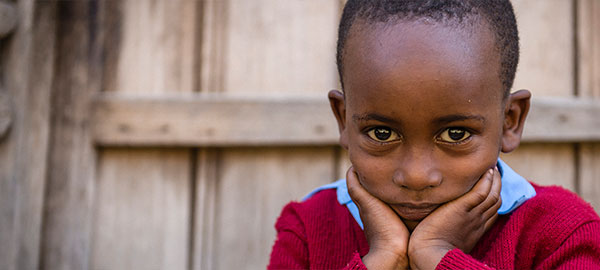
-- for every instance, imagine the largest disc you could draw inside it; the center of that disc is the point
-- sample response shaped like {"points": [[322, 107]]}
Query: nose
{"points": [[417, 172]]}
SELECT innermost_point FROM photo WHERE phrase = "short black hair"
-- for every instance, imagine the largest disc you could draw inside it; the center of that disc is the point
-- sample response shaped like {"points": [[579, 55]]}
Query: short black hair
{"points": [[498, 14]]}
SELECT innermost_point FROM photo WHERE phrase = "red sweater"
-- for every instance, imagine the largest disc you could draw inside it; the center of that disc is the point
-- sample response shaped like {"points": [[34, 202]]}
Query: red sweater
{"points": [[553, 230]]}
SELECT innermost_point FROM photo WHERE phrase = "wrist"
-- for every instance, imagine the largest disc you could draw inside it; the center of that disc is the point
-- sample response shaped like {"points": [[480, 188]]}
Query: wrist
{"points": [[427, 256], [385, 259]]}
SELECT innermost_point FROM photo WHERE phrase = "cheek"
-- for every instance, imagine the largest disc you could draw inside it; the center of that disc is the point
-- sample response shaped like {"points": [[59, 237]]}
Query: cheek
{"points": [[373, 172], [467, 173]]}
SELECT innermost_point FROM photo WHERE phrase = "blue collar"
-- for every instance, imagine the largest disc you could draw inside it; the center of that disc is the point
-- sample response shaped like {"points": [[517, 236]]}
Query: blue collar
{"points": [[515, 191]]}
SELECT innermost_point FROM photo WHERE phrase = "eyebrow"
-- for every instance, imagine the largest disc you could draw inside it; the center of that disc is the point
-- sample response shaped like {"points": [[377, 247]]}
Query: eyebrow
{"points": [[458, 117], [372, 116], [440, 120]]}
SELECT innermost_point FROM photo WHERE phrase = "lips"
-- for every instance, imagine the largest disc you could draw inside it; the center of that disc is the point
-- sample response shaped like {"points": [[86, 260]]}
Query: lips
{"points": [[414, 212]]}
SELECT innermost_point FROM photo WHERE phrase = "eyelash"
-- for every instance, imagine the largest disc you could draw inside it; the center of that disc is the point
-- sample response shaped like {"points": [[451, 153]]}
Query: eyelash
{"points": [[465, 140], [392, 134], [438, 137]]}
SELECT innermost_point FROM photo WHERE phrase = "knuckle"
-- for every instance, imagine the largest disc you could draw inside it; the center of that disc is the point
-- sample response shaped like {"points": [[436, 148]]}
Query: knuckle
{"points": [[480, 196]]}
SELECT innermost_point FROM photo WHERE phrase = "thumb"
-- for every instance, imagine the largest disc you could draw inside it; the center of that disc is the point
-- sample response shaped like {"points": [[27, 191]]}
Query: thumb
{"points": [[360, 196]]}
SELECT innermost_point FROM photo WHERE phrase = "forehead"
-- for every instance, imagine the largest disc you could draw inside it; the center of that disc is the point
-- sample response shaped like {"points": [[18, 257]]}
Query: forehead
{"points": [[418, 60]]}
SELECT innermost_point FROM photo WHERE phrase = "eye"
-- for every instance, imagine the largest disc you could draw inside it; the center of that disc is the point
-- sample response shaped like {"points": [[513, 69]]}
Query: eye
{"points": [[383, 134], [454, 135]]}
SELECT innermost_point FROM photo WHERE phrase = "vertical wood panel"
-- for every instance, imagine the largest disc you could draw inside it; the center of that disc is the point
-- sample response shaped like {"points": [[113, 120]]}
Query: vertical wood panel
{"points": [[205, 210], [546, 69], [254, 185], [546, 60], [589, 87], [143, 205], [142, 215], [26, 68], [545, 164], [70, 178], [275, 47], [157, 47], [265, 47]]}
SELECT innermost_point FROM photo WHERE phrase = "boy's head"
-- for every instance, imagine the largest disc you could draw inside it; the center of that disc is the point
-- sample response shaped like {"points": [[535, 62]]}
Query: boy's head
{"points": [[425, 109], [497, 15]]}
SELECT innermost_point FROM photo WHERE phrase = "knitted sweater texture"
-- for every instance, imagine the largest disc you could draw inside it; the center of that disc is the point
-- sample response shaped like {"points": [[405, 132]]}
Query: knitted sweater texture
{"points": [[553, 230]]}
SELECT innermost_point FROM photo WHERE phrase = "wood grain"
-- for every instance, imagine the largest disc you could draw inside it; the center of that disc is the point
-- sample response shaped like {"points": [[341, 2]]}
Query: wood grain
{"points": [[279, 47], [589, 87], [200, 120], [546, 68], [8, 18], [141, 220], [254, 185], [144, 202], [546, 36], [533, 162], [71, 160], [265, 49], [590, 174], [207, 180], [6, 111], [27, 66], [157, 47]]}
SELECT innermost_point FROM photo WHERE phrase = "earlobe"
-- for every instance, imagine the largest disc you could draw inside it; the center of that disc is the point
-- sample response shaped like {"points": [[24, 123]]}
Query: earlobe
{"points": [[338, 106], [515, 114]]}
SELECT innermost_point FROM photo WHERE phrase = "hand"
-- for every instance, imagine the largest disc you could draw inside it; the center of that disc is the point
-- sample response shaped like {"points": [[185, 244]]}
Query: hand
{"points": [[386, 233], [457, 224]]}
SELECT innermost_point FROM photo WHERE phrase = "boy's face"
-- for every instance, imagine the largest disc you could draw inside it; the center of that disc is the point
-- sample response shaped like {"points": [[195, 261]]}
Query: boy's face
{"points": [[423, 114]]}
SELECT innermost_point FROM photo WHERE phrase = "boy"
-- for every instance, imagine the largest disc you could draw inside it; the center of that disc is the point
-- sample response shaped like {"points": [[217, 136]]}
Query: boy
{"points": [[425, 110]]}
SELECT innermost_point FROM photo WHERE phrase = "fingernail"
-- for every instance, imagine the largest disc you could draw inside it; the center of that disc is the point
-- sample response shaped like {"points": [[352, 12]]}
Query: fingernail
{"points": [[491, 172]]}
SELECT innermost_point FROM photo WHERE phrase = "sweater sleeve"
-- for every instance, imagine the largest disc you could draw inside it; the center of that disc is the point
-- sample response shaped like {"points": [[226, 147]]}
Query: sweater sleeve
{"points": [[290, 250], [581, 250], [456, 259]]}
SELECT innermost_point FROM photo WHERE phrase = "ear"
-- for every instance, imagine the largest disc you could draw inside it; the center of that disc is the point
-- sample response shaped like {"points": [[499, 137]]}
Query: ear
{"points": [[338, 106], [515, 113]]}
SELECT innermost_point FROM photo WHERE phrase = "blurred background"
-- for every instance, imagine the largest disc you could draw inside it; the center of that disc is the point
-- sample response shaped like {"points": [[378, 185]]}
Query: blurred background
{"points": [[169, 134]]}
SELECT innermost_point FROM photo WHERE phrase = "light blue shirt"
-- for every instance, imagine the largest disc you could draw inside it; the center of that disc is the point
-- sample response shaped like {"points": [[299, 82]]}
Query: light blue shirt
{"points": [[515, 191]]}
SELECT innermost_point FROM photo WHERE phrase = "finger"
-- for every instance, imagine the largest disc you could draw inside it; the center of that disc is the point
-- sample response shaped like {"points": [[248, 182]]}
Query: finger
{"points": [[490, 222], [360, 196], [492, 210], [479, 192], [494, 194]]}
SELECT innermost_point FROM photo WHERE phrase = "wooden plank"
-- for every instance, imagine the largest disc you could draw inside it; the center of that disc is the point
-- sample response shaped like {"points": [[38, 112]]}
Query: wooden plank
{"points": [[589, 87], [589, 184], [528, 157], [546, 36], [253, 187], [70, 178], [207, 165], [260, 48], [8, 18], [27, 65], [142, 223], [275, 47], [156, 47], [6, 111], [588, 36], [546, 68], [201, 120]]}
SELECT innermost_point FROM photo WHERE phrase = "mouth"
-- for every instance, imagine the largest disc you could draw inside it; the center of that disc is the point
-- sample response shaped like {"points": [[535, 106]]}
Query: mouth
{"points": [[414, 212]]}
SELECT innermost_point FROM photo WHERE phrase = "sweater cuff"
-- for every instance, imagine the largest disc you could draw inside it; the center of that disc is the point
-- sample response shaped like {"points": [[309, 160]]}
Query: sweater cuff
{"points": [[355, 263], [456, 259]]}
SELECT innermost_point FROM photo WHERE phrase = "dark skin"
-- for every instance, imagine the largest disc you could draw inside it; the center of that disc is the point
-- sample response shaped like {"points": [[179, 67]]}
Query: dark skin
{"points": [[423, 118]]}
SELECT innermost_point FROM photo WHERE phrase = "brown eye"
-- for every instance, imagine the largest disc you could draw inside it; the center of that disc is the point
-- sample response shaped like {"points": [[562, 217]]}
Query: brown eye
{"points": [[383, 134], [454, 135]]}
